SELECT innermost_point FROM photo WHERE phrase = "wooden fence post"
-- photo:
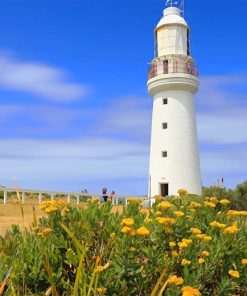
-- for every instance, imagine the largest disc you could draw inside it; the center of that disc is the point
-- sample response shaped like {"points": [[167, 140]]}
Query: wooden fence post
{"points": [[40, 198], [23, 197], [5, 196]]}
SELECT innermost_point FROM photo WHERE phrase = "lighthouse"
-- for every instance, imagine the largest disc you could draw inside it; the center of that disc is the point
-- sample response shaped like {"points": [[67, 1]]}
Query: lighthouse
{"points": [[172, 83]]}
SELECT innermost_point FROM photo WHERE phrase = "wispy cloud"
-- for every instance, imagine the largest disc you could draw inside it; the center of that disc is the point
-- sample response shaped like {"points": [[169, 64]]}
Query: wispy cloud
{"points": [[222, 110], [82, 161], [111, 143], [38, 79]]}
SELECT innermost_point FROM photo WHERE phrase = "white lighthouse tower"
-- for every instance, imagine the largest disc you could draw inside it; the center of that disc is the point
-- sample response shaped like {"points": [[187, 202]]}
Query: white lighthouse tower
{"points": [[172, 82]]}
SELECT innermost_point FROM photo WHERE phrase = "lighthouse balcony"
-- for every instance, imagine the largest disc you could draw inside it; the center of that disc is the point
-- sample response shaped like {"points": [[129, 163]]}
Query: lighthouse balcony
{"points": [[165, 67]]}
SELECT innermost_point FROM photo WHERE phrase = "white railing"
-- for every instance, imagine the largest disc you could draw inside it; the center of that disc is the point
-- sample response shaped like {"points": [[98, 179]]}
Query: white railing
{"points": [[117, 199]]}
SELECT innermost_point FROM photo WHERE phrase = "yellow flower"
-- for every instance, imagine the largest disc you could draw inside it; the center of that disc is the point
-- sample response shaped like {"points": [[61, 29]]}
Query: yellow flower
{"points": [[185, 262], [237, 213], [214, 199], [101, 290], [182, 192], [244, 261], [195, 230], [35, 229], [158, 213], [132, 232], [173, 279], [64, 211], [231, 230], [99, 268], [224, 202], [175, 253], [51, 209], [172, 244], [132, 249], [134, 200], [194, 204], [207, 238], [217, 224], [166, 220], [142, 231], [175, 198], [205, 253], [113, 235], [43, 206], [127, 221], [164, 205], [234, 273], [201, 261], [182, 245], [200, 235], [168, 229], [46, 231], [189, 291], [158, 197], [209, 204], [178, 214], [126, 230], [144, 212], [187, 240]]}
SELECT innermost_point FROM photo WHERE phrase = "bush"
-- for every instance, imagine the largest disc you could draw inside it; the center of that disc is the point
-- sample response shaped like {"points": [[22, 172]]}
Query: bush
{"points": [[178, 247], [237, 196]]}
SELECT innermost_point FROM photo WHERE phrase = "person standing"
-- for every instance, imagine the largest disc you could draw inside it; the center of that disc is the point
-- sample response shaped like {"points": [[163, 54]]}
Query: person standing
{"points": [[104, 194], [112, 197]]}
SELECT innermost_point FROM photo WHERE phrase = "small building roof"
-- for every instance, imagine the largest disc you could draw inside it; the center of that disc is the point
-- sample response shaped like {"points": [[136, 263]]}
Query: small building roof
{"points": [[172, 15]]}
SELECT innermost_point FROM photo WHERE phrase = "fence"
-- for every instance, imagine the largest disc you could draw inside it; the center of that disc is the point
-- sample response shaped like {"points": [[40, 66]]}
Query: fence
{"points": [[79, 196], [163, 67]]}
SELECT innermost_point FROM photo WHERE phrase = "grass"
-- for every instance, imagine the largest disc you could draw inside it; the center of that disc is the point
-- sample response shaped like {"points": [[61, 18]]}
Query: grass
{"points": [[11, 214]]}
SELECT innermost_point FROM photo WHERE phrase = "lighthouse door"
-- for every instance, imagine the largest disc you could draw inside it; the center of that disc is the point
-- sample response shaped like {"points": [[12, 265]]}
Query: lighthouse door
{"points": [[164, 189]]}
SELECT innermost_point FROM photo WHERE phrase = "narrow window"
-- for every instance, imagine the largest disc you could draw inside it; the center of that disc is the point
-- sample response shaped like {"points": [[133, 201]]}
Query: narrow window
{"points": [[165, 101], [164, 125], [164, 153], [188, 42], [165, 67], [155, 45]]}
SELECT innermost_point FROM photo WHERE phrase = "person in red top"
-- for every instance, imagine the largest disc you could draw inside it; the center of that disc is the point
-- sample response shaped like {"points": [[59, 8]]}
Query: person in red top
{"points": [[112, 196]]}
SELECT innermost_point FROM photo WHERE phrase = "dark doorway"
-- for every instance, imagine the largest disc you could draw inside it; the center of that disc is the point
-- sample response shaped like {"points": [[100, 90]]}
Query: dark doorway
{"points": [[164, 189]]}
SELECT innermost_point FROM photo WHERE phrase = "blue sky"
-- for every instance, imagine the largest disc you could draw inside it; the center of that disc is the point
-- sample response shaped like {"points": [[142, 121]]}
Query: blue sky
{"points": [[74, 108]]}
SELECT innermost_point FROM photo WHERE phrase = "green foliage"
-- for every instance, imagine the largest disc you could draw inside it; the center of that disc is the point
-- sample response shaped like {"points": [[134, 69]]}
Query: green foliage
{"points": [[237, 196], [90, 250], [240, 196]]}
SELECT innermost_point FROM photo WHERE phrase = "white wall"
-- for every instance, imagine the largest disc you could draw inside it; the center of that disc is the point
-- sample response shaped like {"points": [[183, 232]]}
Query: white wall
{"points": [[172, 39], [181, 169]]}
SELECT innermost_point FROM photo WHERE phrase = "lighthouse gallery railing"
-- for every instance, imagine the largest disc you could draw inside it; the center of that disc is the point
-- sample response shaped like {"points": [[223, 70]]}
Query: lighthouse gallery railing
{"points": [[169, 68]]}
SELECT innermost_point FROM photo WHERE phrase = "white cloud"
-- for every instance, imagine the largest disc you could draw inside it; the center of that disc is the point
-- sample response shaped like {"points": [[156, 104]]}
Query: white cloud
{"points": [[116, 148], [38, 79], [81, 161], [222, 110]]}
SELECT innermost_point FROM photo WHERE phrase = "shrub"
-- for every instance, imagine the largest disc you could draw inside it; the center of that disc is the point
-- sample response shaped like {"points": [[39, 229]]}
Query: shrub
{"points": [[182, 246]]}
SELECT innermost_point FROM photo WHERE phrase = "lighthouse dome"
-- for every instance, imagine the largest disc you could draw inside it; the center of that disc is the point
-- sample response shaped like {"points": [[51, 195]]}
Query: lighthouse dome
{"points": [[172, 15]]}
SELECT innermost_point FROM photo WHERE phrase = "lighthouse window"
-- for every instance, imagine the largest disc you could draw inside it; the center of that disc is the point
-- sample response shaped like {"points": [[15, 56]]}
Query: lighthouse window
{"points": [[165, 101], [164, 153], [164, 125], [188, 42]]}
